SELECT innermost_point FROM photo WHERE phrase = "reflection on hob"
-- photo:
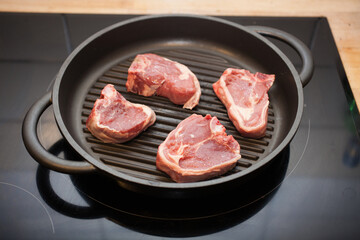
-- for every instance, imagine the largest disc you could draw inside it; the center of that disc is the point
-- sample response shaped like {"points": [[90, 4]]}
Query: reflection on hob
{"points": [[152, 215]]}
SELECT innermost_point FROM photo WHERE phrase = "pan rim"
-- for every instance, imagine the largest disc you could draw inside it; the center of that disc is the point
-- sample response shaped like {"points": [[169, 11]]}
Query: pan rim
{"points": [[172, 185]]}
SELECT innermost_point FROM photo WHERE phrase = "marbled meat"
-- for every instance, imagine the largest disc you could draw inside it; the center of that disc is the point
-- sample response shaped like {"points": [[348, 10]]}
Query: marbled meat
{"points": [[151, 74], [245, 97], [113, 119], [197, 149]]}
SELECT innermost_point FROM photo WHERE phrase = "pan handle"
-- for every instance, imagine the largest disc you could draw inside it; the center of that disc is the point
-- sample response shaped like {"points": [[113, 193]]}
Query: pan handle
{"points": [[37, 151], [304, 52]]}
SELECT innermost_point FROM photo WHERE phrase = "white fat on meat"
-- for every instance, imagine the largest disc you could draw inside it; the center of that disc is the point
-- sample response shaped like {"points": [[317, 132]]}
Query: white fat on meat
{"points": [[197, 149], [113, 119], [246, 99], [150, 74]]}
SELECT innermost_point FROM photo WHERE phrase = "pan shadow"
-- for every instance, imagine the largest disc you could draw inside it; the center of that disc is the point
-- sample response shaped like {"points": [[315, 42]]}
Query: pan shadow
{"points": [[165, 217]]}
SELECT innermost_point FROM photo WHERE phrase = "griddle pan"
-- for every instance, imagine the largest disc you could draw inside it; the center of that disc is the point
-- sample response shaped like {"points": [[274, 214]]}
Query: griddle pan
{"points": [[208, 46]]}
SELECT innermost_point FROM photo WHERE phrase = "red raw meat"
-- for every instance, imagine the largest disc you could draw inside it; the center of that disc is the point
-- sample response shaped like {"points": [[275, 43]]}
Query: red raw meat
{"points": [[197, 149], [151, 74], [245, 97], [115, 120]]}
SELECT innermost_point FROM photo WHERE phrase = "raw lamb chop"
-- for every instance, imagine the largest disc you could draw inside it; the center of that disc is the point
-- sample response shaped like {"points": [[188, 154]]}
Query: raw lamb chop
{"points": [[151, 74], [115, 120], [197, 149], [245, 97]]}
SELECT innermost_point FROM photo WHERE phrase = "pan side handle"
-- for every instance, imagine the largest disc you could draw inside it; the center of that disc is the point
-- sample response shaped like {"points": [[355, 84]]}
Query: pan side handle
{"points": [[303, 51], [37, 151]]}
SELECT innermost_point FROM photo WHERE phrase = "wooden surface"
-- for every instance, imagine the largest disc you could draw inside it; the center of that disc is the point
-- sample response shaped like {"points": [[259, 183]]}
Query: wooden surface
{"points": [[343, 16]]}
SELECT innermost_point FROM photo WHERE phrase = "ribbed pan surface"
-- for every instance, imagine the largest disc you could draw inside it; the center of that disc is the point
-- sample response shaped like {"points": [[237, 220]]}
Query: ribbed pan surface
{"points": [[137, 157]]}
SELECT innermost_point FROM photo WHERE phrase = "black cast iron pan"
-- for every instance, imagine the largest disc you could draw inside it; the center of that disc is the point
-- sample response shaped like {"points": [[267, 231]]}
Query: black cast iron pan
{"points": [[208, 46]]}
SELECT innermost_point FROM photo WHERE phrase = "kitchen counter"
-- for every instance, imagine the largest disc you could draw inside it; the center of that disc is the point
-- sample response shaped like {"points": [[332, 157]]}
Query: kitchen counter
{"points": [[343, 17]]}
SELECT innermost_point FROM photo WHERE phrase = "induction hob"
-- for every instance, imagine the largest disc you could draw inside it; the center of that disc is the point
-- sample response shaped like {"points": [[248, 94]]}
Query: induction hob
{"points": [[311, 191]]}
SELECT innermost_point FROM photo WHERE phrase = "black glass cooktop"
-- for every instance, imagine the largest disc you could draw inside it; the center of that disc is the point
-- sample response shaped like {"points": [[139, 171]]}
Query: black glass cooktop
{"points": [[311, 191]]}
